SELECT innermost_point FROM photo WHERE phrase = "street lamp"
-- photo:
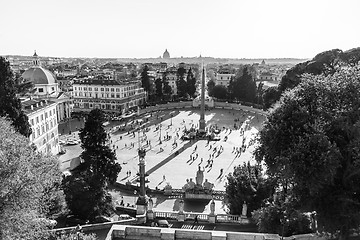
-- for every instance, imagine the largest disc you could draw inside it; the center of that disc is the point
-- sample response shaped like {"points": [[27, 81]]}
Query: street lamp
{"points": [[78, 230], [160, 135]]}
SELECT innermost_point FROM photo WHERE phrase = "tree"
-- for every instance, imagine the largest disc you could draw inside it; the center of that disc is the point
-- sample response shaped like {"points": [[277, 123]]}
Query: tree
{"points": [[74, 235], [269, 97], [159, 88], [210, 86], [259, 93], [97, 155], [191, 83], [10, 105], [281, 218], [243, 86], [220, 92], [181, 83], [86, 191], [29, 187], [323, 63], [167, 90], [145, 79], [310, 145], [246, 184]]}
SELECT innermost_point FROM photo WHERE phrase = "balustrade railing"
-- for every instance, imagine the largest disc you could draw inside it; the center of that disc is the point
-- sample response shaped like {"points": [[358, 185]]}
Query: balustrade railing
{"points": [[224, 218]]}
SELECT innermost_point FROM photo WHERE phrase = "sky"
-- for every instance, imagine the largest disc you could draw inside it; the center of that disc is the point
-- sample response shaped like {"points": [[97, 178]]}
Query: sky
{"points": [[187, 28]]}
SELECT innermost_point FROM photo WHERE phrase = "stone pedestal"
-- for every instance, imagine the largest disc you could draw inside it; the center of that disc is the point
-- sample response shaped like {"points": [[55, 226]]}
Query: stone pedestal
{"points": [[181, 217], [141, 205], [212, 218], [150, 215]]}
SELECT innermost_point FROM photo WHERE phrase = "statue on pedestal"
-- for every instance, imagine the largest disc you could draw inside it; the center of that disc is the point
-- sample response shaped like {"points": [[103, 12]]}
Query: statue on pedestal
{"points": [[200, 176], [150, 204], [212, 207], [191, 184], [181, 206], [244, 210]]}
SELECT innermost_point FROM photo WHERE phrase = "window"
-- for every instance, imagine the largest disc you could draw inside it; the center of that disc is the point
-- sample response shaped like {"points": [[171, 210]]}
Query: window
{"points": [[90, 94], [33, 134], [40, 89], [75, 94], [107, 89], [42, 129], [90, 105], [32, 121], [117, 89], [117, 95], [102, 89], [85, 94], [75, 88], [90, 89], [54, 111], [112, 89], [112, 95], [96, 89], [80, 94], [52, 89], [46, 115], [85, 88], [42, 117], [37, 119], [38, 131]]}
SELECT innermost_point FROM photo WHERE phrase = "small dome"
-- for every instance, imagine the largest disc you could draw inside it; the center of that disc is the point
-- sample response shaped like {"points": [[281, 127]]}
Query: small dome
{"points": [[39, 75]]}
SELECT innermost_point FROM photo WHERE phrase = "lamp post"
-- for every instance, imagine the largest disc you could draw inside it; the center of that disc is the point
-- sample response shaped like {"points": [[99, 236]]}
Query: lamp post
{"points": [[78, 230], [171, 119], [160, 142]]}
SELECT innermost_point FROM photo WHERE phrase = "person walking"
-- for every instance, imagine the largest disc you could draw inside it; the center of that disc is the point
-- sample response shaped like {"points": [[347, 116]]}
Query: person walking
{"points": [[196, 220]]}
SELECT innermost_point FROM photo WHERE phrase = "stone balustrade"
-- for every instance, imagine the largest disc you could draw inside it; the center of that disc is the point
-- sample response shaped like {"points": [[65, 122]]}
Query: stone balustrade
{"points": [[118, 232]]}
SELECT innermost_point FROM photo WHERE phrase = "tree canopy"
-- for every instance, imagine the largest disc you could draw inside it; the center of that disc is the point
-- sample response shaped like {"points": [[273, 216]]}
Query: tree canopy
{"points": [[310, 144], [10, 105], [86, 190], [243, 86], [327, 63], [29, 187], [191, 83], [181, 83], [145, 79], [246, 184]]}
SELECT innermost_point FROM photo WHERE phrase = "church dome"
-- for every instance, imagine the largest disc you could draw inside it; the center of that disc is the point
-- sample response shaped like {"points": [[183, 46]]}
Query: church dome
{"points": [[39, 75], [166, 54]]}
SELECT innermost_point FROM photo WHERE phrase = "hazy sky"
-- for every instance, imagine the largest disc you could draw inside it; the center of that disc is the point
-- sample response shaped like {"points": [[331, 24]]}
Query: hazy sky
{"points": [[144, 28]]}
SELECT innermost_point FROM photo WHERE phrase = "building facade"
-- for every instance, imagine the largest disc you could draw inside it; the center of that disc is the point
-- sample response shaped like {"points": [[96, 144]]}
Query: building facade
{"points": [[47, 87], [108, 95], [42, 116], [223, 78]]}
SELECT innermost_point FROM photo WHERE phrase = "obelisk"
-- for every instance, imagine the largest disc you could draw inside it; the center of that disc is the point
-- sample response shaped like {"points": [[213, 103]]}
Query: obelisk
{"points": [[202, 106]]}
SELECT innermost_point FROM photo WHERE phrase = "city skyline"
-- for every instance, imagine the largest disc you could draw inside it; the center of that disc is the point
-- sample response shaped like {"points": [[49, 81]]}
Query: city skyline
{"points": [[144, 29]]}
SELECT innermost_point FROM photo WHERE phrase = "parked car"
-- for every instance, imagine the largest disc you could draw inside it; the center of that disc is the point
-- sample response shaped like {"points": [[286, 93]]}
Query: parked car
{"points": [[162, 223]]}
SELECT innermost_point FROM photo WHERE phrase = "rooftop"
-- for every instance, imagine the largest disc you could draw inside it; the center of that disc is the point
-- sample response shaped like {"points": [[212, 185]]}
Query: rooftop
{"points": [[32, 105]]}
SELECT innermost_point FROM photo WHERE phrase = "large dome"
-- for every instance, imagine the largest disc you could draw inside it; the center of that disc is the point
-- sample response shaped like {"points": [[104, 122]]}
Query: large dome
{"points": [[39, 75]]}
